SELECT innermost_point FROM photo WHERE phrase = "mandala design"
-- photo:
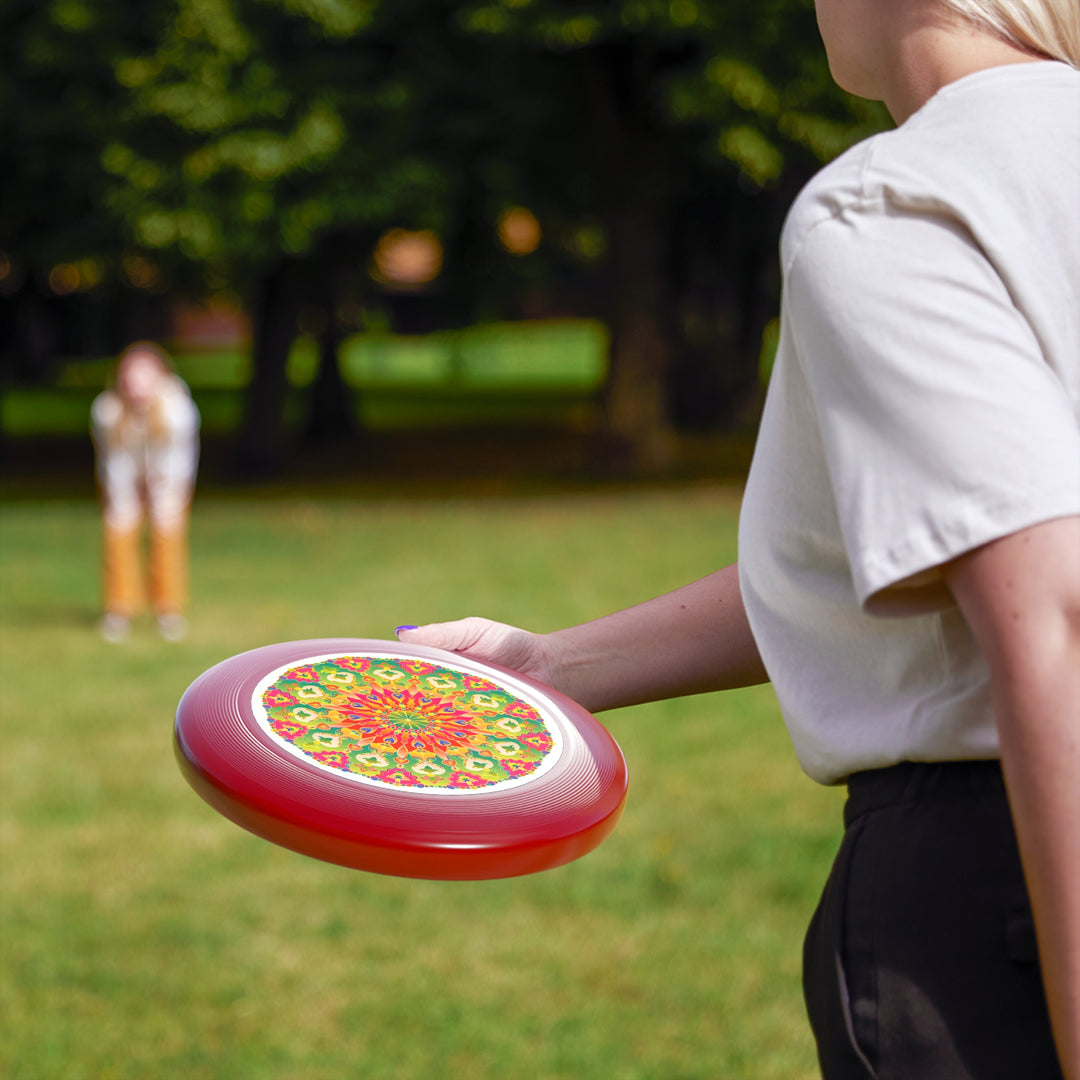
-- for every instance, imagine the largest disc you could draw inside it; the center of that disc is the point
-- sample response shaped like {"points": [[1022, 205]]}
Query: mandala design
{"points": [[406, 723]]}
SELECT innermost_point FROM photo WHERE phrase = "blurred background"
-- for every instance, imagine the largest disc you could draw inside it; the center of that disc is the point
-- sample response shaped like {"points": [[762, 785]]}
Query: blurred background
{"points": [[477, 301], [349, 217]]}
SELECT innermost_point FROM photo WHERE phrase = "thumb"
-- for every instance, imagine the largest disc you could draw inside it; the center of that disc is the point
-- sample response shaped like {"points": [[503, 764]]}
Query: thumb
{"points": [[483, 639], [458, 636]]}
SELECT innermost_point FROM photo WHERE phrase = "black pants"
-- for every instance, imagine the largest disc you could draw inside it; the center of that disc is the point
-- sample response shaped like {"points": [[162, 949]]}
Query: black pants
{"points": [[920, 961]]}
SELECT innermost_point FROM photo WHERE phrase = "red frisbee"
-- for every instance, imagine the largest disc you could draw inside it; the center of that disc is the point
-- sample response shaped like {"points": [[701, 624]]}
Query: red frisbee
{"points": [[400, 759]]}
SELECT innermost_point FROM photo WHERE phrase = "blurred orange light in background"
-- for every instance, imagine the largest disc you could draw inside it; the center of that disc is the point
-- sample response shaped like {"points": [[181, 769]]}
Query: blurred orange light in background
{"points": [[67, 278], [64, 278], [519, 231], [407, 259]]}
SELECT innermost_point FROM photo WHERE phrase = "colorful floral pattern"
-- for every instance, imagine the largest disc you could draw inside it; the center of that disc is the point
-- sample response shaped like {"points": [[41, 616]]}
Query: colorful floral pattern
{"points": [[406, 723]]}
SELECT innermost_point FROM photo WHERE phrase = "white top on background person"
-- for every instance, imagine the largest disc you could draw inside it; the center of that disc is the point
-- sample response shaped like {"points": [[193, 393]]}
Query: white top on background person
{"points": [[925, 401], [146, 433]]}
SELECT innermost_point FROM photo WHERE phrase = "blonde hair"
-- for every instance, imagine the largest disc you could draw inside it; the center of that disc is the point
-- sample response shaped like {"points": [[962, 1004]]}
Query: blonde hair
{"points": [[1048, 27]]}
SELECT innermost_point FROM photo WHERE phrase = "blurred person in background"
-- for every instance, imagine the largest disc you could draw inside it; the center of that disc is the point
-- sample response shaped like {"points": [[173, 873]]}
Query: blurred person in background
{"points": [[146, 437], [909, 549]]}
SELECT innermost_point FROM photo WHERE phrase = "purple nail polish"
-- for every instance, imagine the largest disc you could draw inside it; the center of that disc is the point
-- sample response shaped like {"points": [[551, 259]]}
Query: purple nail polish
{"points": [[397, 630]]}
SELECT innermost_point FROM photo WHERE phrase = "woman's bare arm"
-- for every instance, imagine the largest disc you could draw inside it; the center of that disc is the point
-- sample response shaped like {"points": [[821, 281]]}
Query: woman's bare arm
{"points": [[689, 641], [1021, 597]]}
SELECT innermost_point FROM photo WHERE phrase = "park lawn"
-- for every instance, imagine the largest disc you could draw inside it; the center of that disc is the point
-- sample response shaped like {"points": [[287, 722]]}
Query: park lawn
{"points": [[144, 936]]}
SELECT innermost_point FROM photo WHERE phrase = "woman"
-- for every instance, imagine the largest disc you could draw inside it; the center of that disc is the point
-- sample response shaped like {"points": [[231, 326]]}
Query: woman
{"points": [[909, 574], [146, 436]]}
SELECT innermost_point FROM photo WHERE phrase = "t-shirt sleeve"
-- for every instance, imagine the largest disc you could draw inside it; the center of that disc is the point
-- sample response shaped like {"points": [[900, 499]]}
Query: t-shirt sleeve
{"points": [[944, 425]]}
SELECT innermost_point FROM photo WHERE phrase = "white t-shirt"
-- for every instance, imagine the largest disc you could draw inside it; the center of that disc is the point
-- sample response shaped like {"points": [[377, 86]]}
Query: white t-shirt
{"points": [[925, 400], [146, 463]]}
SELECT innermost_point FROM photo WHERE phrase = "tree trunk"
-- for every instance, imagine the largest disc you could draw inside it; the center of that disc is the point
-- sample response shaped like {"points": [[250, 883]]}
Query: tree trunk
{"points": [[634, 192], [261, 449], [331, 410], [31, 354], [636, 405]]}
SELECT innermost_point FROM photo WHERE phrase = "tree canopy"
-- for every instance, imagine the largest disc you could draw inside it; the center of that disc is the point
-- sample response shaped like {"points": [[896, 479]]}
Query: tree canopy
{"points": [[263, 146]]}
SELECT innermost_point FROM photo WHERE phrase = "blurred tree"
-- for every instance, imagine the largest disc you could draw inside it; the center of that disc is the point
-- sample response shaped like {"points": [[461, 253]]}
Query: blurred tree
{"points": [[272, 131], [263, 146], [271, 142]]}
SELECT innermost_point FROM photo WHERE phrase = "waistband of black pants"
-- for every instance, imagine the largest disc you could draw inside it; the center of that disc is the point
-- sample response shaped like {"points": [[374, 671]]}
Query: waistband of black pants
{"points": [[912, 781]]}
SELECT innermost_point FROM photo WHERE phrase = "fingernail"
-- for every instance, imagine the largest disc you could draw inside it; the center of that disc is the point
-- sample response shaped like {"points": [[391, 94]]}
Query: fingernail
{"points": [[397, 630]]}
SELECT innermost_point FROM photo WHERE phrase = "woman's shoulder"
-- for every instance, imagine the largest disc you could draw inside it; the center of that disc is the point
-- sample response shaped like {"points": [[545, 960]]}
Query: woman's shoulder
{"points": [[967, 154], [106, 410], [176, 389], [175, 404], [831, 192]]}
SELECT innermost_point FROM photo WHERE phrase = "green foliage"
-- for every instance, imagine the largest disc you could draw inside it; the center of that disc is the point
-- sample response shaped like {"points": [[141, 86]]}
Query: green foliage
{"points": [[259, 148], [143, 935], [223, 132], [285, 123], [752, 74]]}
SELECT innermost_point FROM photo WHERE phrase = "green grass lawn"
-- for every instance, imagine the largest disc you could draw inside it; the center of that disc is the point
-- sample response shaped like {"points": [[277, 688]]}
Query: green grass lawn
{"points": [[144, 936]]}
